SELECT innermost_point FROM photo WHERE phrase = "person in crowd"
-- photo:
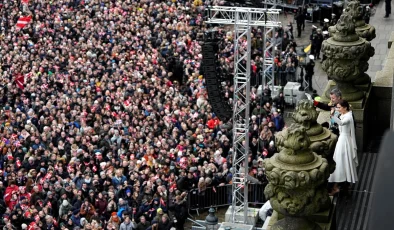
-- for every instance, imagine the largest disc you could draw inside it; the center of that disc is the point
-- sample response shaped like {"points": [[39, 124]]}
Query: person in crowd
{"points": [[143, 224], [127, 224], [300, 19], [278, 120], [387, 8], [367, 14], [316, 40], [309, 71], [280, 103], [326, 24], [334, 20]]}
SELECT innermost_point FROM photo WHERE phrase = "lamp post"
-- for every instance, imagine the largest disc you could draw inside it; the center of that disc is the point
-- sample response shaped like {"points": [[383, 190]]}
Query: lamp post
{"points": [[211, 220]]}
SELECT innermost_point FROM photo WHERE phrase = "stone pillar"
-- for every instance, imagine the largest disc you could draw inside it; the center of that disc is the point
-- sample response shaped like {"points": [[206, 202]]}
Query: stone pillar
{"points": [[296, 175], [347, 58], [323, 141]]}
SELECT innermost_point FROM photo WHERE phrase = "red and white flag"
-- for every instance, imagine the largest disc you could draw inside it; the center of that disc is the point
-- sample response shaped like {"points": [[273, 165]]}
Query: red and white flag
{"points": [[25, 2], [20, 81], [126, 103], [28, 75], [14, 136], [23, 21]]}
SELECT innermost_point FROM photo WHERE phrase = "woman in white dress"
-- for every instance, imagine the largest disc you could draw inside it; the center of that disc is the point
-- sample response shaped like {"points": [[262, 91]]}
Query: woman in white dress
{"points": [[345, 155]]}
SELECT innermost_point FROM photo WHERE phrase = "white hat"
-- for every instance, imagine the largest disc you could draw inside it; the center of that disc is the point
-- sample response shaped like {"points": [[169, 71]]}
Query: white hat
{"points": [[24, 226], [311, 57], [325, 32], [326, 20]]}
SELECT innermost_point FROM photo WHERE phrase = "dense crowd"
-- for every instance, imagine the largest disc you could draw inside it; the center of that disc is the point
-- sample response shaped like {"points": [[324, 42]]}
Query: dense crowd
{"points": [[105, 120]]}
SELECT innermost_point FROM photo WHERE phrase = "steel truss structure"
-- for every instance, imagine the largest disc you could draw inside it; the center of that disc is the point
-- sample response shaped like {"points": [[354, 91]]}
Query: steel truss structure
{"points": [[243, 20], [268, 70], [280, 3]]}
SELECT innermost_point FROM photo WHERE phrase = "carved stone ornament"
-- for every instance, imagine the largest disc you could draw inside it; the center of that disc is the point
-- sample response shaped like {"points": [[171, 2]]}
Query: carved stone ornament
{"points": [[363, 30], [323, 141], [357, 12], [296, 177], [347, 57]]}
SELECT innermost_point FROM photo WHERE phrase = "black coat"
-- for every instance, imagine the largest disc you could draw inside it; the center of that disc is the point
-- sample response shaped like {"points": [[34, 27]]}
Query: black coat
{"points": [[165, 226], [309, 68], [180, 210]]}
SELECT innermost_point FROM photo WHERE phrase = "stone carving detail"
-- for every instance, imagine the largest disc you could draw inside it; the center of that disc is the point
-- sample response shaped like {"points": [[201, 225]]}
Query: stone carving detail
{"points": [[296, 175], [322, 140], [357, 12], [363, 30], [347, 55]]}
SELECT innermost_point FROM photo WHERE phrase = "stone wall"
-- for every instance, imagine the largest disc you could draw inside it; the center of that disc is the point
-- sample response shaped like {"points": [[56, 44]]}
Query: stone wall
{"points": [[380, 99]]}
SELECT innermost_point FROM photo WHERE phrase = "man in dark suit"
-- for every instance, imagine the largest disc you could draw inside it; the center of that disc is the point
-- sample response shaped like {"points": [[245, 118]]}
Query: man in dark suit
{"points": [[388, 8], [300, 19], [335, 96]]}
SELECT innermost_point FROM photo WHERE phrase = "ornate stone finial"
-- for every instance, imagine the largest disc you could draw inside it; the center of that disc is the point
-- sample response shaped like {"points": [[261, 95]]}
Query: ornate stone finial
{"points": [[363, 30], [346, 30], [357, 12], [295, 176], [346, 55], [322, 140]]}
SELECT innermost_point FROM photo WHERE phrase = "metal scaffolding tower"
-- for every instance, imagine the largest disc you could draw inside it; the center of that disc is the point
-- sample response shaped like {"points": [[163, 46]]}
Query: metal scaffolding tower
{"points": [[280, 3], [243, 20], [268, 71]]}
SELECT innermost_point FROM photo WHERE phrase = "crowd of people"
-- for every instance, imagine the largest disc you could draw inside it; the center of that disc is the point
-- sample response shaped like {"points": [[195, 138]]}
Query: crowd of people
{"points": [[105, 120]]}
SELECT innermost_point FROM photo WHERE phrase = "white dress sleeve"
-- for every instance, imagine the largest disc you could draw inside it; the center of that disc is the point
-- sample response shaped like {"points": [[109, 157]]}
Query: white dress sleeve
{"points": [[345, 120]]}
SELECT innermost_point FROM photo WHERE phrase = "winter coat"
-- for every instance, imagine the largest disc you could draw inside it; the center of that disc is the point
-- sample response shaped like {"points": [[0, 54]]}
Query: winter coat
{"points": [[64, 209], [128, 226], [101, 206], [87, 211]]}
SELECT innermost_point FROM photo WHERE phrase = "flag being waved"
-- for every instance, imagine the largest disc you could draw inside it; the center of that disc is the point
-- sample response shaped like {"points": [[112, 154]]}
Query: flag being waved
{"points": [[20, 81], [23, 21]]}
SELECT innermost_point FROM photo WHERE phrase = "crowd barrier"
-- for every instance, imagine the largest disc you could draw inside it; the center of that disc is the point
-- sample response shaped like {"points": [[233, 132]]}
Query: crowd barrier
{"points": [[222, 196]]}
